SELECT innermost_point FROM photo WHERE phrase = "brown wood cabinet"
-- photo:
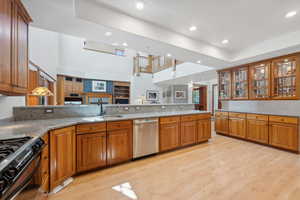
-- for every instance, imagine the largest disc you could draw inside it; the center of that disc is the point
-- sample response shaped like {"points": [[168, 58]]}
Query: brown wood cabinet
{"points": [[203, 130], [258, 128], [169, 133], [224, 84], [221, 122], [240, 83], [91, 151], [259, 80], [188, 133], [14, 47], [237, 125], [284, 135], [62, 155], [119, 142]]}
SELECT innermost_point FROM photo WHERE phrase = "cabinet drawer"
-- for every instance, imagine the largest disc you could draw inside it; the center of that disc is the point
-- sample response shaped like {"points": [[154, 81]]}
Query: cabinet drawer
{"points": [[237, 115], [221, 114], [119, 125], [204, 116], [257, 117], [169, 120], [282, 119], [91, 128], [187, 118]]}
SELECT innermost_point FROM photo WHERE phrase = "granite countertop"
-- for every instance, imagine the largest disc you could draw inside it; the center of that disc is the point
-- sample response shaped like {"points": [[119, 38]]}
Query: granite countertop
{"points": [[37, 128], [258, 112]]}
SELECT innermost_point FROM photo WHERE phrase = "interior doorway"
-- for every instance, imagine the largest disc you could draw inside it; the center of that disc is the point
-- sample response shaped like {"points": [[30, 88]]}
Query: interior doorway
{"points": [[200, 97]]}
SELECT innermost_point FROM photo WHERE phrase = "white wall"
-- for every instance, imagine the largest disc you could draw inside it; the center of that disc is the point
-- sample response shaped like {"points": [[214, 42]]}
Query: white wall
{"points": [[44, 49], [7, 103], [76, 61]]}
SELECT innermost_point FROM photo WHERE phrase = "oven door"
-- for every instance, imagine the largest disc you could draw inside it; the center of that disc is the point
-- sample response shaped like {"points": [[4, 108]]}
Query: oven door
{"points": [[25, 188]]}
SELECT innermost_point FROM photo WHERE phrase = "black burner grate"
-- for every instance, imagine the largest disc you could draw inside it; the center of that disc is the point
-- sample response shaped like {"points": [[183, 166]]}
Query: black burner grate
{"points": [[9, 146]]}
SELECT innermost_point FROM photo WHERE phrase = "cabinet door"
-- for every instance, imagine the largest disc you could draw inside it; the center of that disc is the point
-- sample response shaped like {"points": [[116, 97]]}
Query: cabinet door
{"points": [[237, 127], [221, 125], [91, 151], [224, 84], [169, 136], [19, 67], [258, 131], [284, 136], [259, 80], [119, 146], [62, 155], [188, 133], [204, 130], [240, 83], [5, 45]]}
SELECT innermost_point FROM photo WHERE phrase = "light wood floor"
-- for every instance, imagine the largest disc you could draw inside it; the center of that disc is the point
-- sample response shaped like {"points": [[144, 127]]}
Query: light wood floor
{"points": [[222, 169]]}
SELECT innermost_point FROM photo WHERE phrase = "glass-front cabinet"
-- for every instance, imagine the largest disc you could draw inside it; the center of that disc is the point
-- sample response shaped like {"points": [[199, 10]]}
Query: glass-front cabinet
{"points": [[285, 78], [240, 83], [225, 85], [259, 80]]}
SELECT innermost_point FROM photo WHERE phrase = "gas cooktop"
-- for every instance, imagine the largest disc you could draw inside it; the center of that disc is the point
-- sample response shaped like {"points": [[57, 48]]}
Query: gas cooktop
{"points": [[9, 146]]}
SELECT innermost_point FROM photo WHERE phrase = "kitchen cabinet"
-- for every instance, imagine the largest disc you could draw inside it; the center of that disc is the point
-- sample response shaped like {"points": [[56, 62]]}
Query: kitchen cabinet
{"points": [[14, 47], [284, 134], [62, 155], [224, 84], [91, 151], [258, 128], [169, 133], [119, 142], [259, 80], [221, 122], [285, 77], [237, 125], [240, 83], [203, 130], [188, 133]]}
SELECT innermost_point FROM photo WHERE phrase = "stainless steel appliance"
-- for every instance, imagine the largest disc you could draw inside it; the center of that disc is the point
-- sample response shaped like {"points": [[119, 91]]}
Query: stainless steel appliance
{"points": [[145, 137], [19, 160]]}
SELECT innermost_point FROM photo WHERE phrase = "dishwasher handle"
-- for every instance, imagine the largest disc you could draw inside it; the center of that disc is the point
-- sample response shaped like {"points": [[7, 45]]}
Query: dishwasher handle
{"points": [[145, 121]]}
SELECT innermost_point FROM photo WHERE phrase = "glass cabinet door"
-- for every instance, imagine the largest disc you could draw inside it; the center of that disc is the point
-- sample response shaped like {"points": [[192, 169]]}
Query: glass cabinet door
{"points": [[240, 83], [224, 85], [284, 77], [260, 81]]}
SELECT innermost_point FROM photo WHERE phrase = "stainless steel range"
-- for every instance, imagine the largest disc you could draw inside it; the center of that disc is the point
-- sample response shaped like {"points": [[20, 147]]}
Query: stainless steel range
{"points": [[19, 159]]}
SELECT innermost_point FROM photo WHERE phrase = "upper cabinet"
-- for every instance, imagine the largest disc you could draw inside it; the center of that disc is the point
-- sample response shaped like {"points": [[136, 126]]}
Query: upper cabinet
{"points": [[240, 83], [225, 84], [14, 21], [259, 80], [277, 78], [285, 78]]}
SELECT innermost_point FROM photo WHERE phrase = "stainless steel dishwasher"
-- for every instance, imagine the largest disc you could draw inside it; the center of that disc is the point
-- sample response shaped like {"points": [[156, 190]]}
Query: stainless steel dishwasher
{"points": [[145, 137]]}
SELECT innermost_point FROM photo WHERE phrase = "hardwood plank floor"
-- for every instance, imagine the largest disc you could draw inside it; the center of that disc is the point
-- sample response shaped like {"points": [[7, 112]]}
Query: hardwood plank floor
{"points": [[222, 169]]}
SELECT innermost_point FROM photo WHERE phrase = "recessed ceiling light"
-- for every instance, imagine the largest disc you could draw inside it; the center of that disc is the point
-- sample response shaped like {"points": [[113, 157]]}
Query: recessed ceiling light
{"points": [[139, 5], [115, 44], [225, 41], [125, 44], [193, 28], [199, 61], [108, 33], [291, 14], [169, 55]]}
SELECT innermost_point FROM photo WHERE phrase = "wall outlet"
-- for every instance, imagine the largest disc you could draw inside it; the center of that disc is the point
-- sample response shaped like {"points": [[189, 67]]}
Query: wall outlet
{"points": [[48, 110]]}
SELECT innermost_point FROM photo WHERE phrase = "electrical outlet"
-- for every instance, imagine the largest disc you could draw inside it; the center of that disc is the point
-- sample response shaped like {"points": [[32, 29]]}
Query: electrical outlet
{"points": [[48, 110]]}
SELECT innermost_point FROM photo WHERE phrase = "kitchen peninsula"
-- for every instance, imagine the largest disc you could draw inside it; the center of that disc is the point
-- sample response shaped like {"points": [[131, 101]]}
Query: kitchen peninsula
{"points": [[77, 139]]}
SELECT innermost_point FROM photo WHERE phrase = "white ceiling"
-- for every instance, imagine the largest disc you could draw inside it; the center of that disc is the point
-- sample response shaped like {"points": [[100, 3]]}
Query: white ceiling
{"points": [[256, 29], [243, 22]]}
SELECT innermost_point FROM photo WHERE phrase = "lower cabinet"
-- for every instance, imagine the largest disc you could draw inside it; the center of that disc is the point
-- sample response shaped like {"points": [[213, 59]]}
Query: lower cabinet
{"points": [[237, 127], [221, 124], [91, 151], [203, 130], [119, 142], [284, 135], [258, 131], [169, 134], [62, 155], [188, 134]]}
